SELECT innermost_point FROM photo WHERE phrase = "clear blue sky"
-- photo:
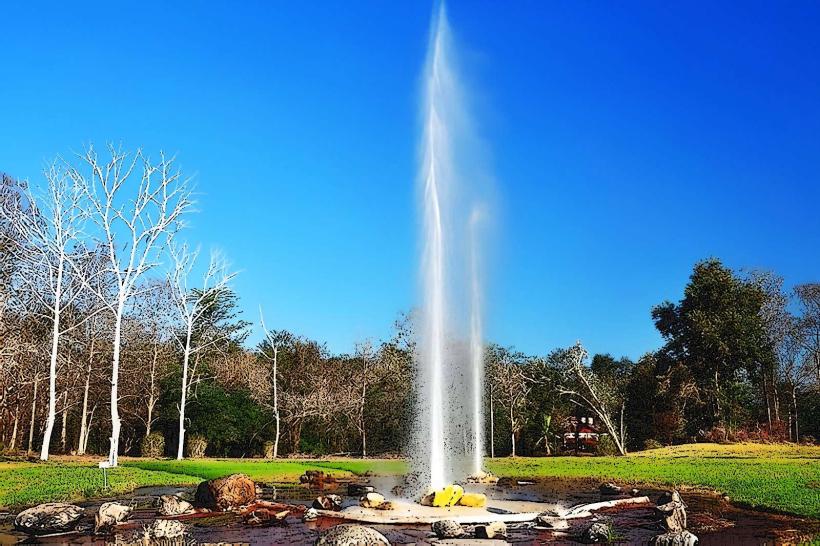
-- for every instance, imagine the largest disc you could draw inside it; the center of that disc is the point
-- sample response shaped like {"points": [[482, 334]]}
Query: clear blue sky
{"points": [[628, 139]]}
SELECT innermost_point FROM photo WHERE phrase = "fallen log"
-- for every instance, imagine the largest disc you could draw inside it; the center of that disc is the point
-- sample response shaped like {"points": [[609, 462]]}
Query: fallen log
{"points": [[585, 510]]}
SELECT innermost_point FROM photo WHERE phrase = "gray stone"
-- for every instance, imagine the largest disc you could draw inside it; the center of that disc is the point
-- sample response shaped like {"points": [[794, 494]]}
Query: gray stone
{"points": [[348, 534], [328, 502], [110, 514], [171, 505], [310, 515], [359, 489], [51, 517], [491, 530], [163, 529], [447, 528], [597, 531], [609, 488], [672, 512], [682, 538]]}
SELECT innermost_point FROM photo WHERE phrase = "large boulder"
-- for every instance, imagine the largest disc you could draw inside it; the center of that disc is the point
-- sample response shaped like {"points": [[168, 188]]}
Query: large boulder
{"points": [[109, 515], [171, 505], [349, 534], [227, 493], [447, 528], [51, 517]]}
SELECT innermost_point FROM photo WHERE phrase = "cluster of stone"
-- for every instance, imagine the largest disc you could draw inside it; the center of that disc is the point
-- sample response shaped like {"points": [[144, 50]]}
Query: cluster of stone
{"points": [[672, 512]]}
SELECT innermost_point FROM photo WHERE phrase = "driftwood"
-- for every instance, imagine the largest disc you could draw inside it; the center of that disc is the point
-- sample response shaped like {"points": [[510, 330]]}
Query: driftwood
{"points": [[585, 510]]}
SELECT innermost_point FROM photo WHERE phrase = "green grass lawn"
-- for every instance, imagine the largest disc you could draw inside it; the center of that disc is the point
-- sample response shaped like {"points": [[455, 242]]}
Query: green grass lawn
{"points": [[780, 478], [775, 477]]}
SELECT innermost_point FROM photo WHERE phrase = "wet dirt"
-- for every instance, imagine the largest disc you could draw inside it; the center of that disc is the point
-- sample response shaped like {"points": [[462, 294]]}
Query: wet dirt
{"points": [[714, 520]]}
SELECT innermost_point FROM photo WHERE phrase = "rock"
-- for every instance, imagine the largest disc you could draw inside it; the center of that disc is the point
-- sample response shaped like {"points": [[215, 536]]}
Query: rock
{"points": [[171, 505], [672, 512], [609, 488], [311, 476], [634, 492], [51, 517], [447, 528], [328, 502], [476, 500], [359, 489], [110, 514], [427, 500], [597, 531], [491, 530], [310, 515], [505, 482], [349, 534], [552, 521], [386, 505], [371, 500], [683, 538], [482, 477], [162, 529], [228, 493]]}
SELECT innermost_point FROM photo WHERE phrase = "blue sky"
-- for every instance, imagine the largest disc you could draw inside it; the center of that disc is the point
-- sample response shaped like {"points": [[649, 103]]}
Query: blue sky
{"points": [[628, 141]]}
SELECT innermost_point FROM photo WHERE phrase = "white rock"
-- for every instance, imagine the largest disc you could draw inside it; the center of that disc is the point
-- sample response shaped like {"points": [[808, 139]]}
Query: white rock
{"points": [[50, 517], [110, 514], [371, 500], [348, 534]]}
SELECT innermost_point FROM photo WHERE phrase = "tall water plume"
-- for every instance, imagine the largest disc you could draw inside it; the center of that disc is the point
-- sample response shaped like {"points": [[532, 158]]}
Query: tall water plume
{"points": [[448, 442]]}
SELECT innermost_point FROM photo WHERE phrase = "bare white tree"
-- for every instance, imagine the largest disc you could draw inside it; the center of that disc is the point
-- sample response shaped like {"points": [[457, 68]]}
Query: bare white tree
{"points": [[274, 341], [583, 388], [192, 304], [49, 225], [134, 228]]}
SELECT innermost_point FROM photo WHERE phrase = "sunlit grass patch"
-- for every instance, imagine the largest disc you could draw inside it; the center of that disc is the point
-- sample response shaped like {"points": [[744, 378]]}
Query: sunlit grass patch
{"points": [[31, 483]]}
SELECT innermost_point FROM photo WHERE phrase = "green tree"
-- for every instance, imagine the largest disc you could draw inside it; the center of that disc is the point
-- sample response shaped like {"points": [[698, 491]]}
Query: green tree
{"points": [[716, 331]]}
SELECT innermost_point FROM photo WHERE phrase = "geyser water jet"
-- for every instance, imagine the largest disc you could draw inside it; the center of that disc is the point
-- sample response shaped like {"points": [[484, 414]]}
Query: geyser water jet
{"points": [[448, 443]]}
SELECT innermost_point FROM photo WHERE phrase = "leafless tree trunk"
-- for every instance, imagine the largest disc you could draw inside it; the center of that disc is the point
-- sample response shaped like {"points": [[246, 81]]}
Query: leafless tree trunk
{"points": [[152, 391], [49, 228], [274, 339], [65, 419], [587, 394], [492, 427], [794, 409], [512, 431], [192, 306], [13, 443], [84, 414], [33, 415], [134, 231]]}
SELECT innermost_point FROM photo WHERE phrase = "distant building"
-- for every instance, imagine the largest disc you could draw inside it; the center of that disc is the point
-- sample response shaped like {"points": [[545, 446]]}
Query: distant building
{"points": [[580, 430]]}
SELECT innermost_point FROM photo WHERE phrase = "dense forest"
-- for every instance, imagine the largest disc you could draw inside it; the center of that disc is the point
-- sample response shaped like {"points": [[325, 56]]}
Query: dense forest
{"points": [[111, 344]]}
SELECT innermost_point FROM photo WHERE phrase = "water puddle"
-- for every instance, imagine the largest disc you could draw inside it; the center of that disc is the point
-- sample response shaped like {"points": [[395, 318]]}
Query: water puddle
{"points": [[712, 519]]}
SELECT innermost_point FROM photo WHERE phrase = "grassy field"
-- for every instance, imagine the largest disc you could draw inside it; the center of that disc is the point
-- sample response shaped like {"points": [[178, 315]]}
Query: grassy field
{"points": [[774, 477]]}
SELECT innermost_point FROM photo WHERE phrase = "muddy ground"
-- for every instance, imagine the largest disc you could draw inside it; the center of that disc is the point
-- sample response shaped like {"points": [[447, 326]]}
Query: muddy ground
{"points": [[714, 520]]}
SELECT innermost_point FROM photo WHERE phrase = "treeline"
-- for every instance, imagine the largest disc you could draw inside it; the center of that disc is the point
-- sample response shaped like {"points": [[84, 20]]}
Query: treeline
{"points": [[111, 344]]}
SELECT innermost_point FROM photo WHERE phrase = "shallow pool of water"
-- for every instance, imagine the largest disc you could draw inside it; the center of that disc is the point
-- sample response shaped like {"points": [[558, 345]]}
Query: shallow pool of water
{"points": [[714, 520]]}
